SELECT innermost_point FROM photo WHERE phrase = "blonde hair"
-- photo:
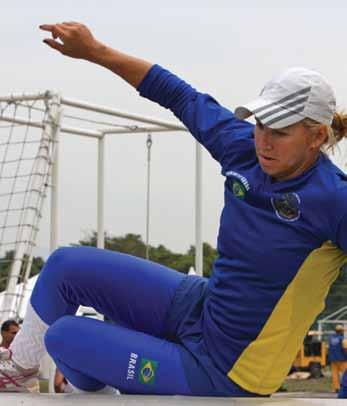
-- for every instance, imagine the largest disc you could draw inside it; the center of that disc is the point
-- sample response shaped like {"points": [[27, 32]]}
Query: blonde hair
{"points": [[335, 132]]}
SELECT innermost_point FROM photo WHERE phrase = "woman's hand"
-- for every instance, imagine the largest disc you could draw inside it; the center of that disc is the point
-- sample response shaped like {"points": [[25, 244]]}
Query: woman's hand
{"points": [[74, 40]]}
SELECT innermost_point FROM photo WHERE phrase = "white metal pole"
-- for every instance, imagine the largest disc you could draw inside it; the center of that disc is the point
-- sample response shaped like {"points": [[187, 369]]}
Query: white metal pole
{"points": [[24, 97], [123, 114], [100, 193], [320, 330], [54, 237], [198, 211], [100, 242], [69, 130], [54, 219], [148, 194], [54, 214]]}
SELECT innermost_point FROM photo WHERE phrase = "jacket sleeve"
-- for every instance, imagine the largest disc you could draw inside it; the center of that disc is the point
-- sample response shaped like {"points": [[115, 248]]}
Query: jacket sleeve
{"points": [[338, 213], [212, 125], [342, 234]]}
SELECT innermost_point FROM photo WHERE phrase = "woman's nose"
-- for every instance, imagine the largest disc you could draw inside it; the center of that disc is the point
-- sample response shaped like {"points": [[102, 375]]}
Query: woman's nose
{"points": [[266, 139]]}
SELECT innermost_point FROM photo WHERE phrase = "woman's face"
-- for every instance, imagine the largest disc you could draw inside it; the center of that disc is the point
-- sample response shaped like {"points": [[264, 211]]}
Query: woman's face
{"points": [[285, 153]]}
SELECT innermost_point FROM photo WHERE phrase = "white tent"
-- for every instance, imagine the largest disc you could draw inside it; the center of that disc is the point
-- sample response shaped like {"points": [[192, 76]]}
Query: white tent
{"points": [[27, 293], [82, 311]]}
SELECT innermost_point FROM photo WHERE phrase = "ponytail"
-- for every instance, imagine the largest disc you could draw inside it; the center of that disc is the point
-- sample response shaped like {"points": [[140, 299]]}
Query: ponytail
{"points": [[335, 132], [339, 126]]}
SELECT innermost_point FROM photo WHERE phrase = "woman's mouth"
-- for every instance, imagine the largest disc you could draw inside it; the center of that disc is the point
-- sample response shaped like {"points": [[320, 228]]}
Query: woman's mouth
{"points": [[265, 158]]}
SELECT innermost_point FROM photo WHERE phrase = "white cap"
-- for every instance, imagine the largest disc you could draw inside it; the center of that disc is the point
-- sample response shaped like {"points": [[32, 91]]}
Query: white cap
{"points": [[295, 94]]}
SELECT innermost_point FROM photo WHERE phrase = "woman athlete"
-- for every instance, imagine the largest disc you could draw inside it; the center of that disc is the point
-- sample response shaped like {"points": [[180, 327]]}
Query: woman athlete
{"points": [[281, 243]]}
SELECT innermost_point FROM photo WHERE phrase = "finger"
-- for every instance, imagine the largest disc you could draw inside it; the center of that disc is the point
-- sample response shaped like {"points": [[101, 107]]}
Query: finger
{"points": [[56, 29], [46, 27], [70, 23], [50, 27], [54, 44], [60, 29]]}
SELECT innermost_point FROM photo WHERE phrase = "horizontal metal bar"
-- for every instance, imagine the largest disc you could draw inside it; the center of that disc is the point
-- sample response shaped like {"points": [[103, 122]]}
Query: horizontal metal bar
{"points": [[138, 130], [23, 97], [122, 114], [21, 121], [81, 131], [160, 126], [38, 124], [333, 321]]}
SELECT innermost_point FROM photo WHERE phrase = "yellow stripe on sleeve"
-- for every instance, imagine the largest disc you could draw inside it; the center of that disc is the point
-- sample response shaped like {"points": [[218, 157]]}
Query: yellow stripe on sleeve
{"points": [[265, 363]]}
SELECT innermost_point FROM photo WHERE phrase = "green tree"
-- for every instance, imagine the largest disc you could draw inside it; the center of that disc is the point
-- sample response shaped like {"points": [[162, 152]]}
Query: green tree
{"points": [[209, 256], [5, 266], [134, 245], [130, 243]]}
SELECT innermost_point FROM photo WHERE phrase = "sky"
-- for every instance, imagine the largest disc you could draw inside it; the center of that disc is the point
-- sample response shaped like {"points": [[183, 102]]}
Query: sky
{"points": [[228, 49]]}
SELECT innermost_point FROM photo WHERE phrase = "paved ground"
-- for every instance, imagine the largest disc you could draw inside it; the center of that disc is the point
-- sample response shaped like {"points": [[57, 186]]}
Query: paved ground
{"points": [[126, 400]]}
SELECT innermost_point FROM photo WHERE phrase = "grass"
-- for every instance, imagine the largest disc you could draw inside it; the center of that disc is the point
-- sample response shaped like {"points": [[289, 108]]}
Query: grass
{"points": [[318, 385], [290, 385], [309, 385], [44, 386]]}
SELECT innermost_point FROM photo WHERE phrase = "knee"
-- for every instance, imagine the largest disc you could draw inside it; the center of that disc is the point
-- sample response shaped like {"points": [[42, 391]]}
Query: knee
{"points": [[58, 256], [55, 337], [59, 260]]}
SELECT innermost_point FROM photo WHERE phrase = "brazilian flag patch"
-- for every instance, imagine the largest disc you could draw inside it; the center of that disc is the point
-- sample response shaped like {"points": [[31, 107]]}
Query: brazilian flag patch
{"points": [[148, 371], [238, 190]]}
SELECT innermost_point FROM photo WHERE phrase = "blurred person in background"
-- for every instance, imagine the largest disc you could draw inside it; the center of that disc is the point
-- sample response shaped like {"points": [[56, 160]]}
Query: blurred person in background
{"points": [[337, 356], [9, 329]]}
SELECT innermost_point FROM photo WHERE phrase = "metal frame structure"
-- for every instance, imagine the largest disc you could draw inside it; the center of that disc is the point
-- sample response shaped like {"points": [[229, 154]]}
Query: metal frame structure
{"points": [[54, 126], [31, 214], [153, 126], [337, 317]]}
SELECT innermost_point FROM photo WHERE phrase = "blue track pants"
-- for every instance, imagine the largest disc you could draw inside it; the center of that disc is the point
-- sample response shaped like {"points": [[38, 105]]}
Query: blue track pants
{"points": [[131, 353]]}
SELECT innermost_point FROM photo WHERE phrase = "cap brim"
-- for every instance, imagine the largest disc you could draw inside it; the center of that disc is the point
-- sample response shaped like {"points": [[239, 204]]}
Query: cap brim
{"points": [[247, 110], [274, 117]]}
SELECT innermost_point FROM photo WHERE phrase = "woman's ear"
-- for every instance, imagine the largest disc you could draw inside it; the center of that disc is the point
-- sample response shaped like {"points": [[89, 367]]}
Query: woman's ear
{"points": [[321, 136]]}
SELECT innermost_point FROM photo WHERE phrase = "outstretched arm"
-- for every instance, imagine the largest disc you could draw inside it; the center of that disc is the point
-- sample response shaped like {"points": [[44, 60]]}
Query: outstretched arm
{"points": [[212, 125], [76, 41]]}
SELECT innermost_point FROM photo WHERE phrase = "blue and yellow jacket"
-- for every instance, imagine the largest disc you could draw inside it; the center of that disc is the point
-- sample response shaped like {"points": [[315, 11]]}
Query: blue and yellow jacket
{"points": [[336, 350], [281, 245]]}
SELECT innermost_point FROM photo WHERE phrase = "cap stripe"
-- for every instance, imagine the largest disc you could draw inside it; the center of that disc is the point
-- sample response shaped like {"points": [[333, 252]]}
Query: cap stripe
{"points": [[284, 99], [283, 116], [284, 107]]}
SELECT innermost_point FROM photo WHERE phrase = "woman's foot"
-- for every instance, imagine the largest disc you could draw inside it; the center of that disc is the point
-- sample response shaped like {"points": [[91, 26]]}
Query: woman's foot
{"points": [[13, 378]]}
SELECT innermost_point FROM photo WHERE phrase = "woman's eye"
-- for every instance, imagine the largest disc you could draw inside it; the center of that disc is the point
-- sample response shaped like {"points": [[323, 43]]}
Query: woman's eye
{"points": [[278, 133]]}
